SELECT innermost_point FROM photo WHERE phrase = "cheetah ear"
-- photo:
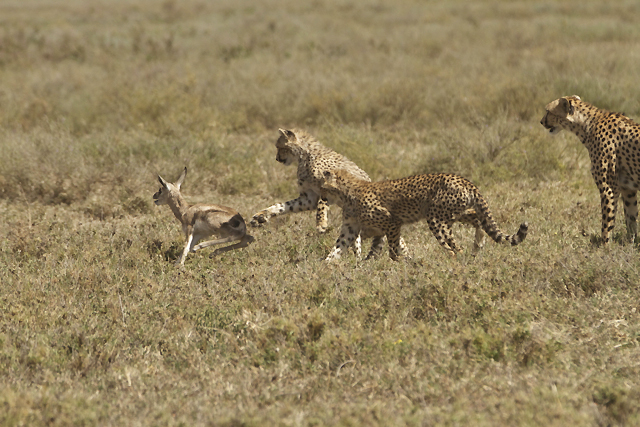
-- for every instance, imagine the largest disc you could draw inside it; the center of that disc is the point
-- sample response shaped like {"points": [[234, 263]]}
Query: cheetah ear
{"points": [[287, 133], [560, 107], [570, 109]]}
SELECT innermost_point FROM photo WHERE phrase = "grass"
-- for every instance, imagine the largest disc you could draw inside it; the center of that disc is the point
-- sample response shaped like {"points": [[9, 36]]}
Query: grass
{"points": [[97, 327]]}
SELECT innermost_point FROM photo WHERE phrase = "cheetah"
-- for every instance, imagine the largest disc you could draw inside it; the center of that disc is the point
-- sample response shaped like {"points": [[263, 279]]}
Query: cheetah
{"points": [[613, 142], [313, 159], [378, 209]]}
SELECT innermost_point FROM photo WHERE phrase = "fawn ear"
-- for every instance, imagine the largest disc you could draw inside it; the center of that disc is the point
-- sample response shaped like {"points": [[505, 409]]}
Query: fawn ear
{"points": [[162, 181], [181, 178]]}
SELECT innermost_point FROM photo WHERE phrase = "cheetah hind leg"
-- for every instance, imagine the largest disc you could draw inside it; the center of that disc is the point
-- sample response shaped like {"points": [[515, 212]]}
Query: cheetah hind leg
{"points": [[439, 231], [630, 213], [376, 248], [470, 217], [479, 238], [348, 235], [478, 242]]}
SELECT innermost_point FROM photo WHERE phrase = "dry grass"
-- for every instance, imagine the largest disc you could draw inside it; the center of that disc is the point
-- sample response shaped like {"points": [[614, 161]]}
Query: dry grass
{"points": [[98, 328]]}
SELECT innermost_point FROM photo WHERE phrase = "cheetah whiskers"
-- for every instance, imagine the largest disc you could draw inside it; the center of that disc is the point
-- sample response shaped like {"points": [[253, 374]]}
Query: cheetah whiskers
{"points": [[202, 220]]}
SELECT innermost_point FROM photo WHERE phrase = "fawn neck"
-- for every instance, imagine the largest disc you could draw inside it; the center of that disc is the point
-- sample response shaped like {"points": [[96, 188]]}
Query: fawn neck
{"points": [[179, 206]]}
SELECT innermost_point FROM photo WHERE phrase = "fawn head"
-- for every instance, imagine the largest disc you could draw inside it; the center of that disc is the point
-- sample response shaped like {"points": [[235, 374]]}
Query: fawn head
{"points": [[168, 190]]}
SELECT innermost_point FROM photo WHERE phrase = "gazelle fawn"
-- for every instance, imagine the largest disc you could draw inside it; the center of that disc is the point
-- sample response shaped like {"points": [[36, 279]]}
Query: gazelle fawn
{"points": [[202, 220]]}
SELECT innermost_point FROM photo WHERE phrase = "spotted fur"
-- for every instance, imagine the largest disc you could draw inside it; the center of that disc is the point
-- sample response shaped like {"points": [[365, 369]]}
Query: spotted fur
{"points": [[613, 142], [378, 209]]}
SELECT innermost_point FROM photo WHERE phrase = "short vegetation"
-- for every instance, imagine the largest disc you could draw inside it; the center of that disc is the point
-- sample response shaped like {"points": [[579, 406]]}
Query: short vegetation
{"points": [[97, 325]]}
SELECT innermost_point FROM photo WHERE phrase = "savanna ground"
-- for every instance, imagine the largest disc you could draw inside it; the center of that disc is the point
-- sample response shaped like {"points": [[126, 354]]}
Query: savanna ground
{"points": [[97, 326]]}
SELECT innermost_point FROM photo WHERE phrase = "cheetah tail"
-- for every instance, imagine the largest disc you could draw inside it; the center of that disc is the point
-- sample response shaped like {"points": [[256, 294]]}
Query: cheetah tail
{"points": [[490, 226]]}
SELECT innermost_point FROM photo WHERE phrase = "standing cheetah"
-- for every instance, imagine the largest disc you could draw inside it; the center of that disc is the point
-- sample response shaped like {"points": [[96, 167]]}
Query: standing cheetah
{"points": [[613, 141], [378, 209]]}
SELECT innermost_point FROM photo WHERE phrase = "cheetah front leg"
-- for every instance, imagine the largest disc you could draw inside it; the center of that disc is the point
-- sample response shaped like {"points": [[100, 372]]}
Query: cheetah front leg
{"points": [[448, 236], [348, 234], [322, 224], [397, 248], [629, 198], [307, 201], [357, 246], [376, 248], [321, 215]]}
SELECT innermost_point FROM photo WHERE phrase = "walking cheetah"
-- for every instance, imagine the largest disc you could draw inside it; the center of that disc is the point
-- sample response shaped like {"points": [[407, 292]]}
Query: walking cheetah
{"points": [[377, 209], [613, 141]]}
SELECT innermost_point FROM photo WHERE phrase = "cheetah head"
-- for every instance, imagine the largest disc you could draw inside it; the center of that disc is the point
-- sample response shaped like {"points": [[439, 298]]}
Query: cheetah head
{"points": [[332, 190], [559, 114], [338, 179], [338, 186], [284, 145]]}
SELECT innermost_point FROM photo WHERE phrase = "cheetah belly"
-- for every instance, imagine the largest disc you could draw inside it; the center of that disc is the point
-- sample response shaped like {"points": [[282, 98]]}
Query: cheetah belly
{"points": [[369, 232]]}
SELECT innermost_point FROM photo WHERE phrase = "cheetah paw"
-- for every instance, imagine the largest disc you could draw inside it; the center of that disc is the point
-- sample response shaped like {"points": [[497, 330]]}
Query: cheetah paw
{"points": [[258, 220]]}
